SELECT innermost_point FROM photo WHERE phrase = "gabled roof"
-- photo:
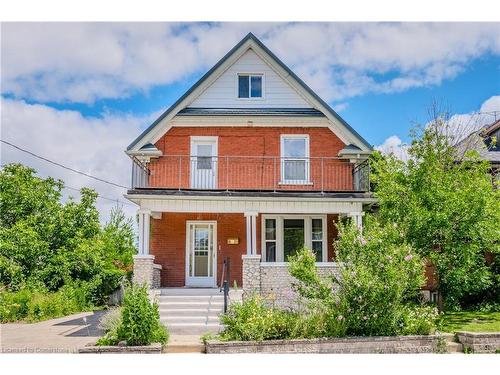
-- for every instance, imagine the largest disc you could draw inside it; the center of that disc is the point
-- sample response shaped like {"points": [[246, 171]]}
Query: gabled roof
{"points": [[175, 108]]}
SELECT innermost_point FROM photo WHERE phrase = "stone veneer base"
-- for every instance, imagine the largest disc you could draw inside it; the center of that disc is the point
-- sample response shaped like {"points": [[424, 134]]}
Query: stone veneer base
{"points": [[348, 345]]}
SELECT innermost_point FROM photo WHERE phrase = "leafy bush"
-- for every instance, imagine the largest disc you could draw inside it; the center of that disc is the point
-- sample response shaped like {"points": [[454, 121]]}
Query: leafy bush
{"points": [[418, 320], [254, 320], [319, 322], [32, 304], [139, 322]]}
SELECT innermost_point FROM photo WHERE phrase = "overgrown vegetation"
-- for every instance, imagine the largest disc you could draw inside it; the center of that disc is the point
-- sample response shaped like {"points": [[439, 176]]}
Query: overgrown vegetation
{"points": [[376, 293], [56, 258], [136, 323], [447, 209]]}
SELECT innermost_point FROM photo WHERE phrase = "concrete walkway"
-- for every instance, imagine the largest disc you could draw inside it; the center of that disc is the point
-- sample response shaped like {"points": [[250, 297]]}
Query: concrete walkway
{"points": [[62, 335]]}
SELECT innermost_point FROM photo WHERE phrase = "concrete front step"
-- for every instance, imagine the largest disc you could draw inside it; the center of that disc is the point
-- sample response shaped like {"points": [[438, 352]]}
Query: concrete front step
{"points": [[187, 311], [185, 344], [185, 348], [192, 328], [191, 292], [454, 347], [191, 298], [190, 312], [190, 306], [190, 319]]}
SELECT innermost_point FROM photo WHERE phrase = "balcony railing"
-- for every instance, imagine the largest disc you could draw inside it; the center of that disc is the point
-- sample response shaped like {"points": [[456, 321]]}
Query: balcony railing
{"points": [[265, 173]]}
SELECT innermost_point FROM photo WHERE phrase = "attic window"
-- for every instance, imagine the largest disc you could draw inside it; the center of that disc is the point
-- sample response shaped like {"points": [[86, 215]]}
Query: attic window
{"points": [[249, 86]]}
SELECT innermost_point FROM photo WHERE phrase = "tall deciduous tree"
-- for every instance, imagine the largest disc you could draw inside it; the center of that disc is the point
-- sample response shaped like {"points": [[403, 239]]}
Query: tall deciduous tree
{"points": [[447, 207]]}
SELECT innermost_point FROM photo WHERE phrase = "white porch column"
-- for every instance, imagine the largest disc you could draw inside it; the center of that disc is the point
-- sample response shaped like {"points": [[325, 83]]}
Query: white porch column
{"points": [[254, 234], [251, 235], [357, 218], [144, 220]]}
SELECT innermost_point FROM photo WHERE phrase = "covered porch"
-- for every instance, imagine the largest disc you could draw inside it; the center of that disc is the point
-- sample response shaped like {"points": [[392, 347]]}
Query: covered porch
{"points": [[184, 239]]}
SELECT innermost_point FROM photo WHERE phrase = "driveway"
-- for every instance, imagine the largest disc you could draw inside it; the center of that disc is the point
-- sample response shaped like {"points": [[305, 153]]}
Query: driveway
{"points": [[61, 335]]}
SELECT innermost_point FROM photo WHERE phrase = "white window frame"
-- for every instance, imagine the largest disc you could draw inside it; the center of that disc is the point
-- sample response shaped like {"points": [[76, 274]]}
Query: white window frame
{"points": [[280, 256], [265, 240], [237, 91], [306, 158]]}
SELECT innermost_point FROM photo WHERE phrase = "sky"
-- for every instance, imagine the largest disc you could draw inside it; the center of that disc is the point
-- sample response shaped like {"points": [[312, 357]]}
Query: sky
{"points": [[79, 93]]}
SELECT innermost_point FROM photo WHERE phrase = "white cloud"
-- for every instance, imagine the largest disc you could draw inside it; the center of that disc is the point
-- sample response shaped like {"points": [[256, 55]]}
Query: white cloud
{"points": [[340, 107], [395, 146], [82, 62], [491, 105], [91, 145], [460, 125]]}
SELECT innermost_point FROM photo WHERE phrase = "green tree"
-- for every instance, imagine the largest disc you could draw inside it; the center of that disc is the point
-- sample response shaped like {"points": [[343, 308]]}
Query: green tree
{"points": [[46, 244], [447, 208]]}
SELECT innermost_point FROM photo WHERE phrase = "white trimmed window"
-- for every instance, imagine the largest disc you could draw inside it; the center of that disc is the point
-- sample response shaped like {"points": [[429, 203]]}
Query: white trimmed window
{"points": [[270, 240], [294, 159], [283, 236], [250, 86]]}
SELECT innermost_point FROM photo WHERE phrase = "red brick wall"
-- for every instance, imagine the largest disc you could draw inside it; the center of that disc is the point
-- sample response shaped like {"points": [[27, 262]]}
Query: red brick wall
{"points": [[168, 243], [255, 173]]}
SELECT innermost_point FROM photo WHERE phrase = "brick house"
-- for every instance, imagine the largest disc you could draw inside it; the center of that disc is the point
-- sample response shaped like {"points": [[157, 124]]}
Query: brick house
{"points": [[248, 165]]}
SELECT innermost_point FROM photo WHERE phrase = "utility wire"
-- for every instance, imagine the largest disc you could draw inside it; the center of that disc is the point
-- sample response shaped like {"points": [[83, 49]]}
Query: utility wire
{"points": [[63, 166], [98, 194], [101, 196]]}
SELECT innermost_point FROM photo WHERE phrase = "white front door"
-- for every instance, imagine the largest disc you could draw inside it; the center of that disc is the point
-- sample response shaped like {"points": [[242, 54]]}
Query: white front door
{"points": [[203, 162], [201, 253]]}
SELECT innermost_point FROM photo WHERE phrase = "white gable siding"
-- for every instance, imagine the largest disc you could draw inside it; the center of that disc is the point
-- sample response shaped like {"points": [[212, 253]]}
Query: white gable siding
{"points": [[223, 92]]}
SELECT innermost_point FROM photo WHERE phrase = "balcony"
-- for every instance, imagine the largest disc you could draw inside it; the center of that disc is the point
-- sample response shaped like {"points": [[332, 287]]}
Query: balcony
{"points": [[255, 173]]}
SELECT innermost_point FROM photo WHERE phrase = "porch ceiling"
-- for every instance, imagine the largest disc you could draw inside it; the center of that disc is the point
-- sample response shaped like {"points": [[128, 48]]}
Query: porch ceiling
{"points": [[239, 202]]}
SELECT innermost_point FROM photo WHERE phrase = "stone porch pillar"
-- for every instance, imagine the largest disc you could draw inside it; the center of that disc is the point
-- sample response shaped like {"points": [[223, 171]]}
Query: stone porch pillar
{"points": [[144, 270], [251, 274]]}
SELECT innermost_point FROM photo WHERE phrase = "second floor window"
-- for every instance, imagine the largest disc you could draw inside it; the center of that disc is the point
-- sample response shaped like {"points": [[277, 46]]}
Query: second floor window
{"points": [[294, 159], [250, 86]]}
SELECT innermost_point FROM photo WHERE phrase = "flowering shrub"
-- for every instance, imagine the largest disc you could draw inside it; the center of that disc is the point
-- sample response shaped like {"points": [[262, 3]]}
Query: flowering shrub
{"points": [[379, 275], [418, 320], [376, 293], [378, 285]]}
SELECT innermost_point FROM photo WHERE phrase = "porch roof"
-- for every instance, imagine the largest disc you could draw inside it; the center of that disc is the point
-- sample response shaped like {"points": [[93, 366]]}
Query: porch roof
{"points": [[170, 200]]}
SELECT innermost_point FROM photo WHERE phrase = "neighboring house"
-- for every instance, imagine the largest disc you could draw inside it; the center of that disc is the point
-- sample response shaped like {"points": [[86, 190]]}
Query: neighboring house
{"points": [[249, 164], [486, 142]]}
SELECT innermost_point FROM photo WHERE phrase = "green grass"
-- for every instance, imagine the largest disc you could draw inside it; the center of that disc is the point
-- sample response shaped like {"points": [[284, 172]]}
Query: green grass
{"points": [[472, 321]]}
